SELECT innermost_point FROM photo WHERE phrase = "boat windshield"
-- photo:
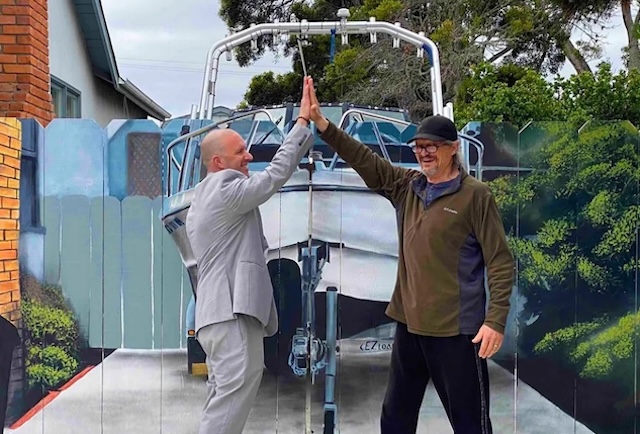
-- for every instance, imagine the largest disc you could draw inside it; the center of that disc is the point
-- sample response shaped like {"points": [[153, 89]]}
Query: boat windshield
{"points": [[383, 136], [277, 113]]}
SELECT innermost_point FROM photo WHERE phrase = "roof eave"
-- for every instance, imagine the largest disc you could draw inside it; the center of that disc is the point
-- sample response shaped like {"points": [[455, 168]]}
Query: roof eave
{"points": [[129, 90], [106, 41], [123, 86]]}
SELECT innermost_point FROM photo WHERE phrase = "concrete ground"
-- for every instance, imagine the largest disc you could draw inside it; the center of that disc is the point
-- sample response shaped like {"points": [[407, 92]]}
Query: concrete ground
{"points": [[151, 392]]}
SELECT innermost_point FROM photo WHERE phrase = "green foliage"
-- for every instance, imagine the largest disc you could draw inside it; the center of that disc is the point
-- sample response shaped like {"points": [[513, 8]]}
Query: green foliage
{"points": [[598, 348], [578, 218], [555, 232], [531, 35], [602, 96], [592, 171], [382, 10], [594, 275], [507, 93], [343, 75], [564, 340], [599, 211], [464, 31], [52, 337], [268, 87], [620, 237], [506, 195], [49, 366], [48, 324], [46, 294], [518, 95], [544, 267], [610, 349]]}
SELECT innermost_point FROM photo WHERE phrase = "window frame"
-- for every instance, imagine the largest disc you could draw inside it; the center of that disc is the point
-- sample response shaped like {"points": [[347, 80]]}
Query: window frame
{"points": [[65, 89], [30, 154]]}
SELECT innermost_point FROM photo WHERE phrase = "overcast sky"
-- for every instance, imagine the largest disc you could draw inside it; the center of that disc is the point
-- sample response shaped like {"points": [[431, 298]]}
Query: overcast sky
{"points": [[161, 46]]}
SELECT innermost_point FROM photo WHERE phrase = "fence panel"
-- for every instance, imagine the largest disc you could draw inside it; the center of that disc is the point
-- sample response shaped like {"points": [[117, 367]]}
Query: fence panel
{"points": [[75, 256], [119, 269]]}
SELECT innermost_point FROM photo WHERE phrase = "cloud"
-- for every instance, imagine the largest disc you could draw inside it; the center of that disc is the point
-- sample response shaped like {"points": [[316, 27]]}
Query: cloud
{"points": [[162, 46], [614, 41]]}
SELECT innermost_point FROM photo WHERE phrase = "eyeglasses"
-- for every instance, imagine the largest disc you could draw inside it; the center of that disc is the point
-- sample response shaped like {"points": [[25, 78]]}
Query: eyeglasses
{"points": [[418, 149]]}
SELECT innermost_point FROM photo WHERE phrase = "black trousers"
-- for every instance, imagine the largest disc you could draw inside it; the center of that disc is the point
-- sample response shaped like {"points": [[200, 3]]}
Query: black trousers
{"points": [[9, 339], [459, 375]]}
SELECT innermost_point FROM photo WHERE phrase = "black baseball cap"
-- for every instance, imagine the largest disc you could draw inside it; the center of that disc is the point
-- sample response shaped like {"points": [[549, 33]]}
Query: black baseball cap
{"points": [[437, 128]]}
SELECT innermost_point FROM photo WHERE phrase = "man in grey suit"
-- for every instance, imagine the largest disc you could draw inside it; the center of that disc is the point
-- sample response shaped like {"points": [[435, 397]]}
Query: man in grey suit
{"points": [[235, 308]]}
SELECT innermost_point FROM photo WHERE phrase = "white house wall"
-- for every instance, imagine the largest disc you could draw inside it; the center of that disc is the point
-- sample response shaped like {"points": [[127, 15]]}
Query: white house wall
{"points": [[113, 105], [69, 62]]}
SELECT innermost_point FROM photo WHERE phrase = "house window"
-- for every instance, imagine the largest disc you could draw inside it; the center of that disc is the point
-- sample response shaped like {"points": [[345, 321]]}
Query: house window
{"points": [[29, 199], [66, 99]]}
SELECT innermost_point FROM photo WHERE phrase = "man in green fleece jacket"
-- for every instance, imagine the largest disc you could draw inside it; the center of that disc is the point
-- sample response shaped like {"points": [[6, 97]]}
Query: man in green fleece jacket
{"points": [[449, 230]]}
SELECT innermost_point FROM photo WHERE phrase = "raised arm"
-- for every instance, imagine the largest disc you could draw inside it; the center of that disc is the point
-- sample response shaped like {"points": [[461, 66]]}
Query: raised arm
{"points": [[243, 194], [377, 173]]}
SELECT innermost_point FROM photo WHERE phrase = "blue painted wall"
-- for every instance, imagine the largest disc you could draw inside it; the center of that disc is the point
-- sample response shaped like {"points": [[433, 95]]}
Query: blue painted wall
{"points": [[73, 159]]}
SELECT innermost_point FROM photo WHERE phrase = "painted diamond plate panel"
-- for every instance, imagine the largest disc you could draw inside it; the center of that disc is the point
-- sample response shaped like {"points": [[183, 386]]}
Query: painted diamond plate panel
{"points": [[144, 165]]}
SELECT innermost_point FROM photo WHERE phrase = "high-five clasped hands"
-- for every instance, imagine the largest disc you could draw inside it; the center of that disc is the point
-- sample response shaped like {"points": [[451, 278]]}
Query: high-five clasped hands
{"points": [[310, 107], [316, 115], [305, 102]]}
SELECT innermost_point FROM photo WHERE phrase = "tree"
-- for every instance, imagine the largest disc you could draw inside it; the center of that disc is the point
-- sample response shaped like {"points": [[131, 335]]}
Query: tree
{"points": [[602, 95], [465, 30], [507, 93], [240, 14], [531, 34], [586, 14], [518, 95], [633, 34], [266, 88], [467, 33]]}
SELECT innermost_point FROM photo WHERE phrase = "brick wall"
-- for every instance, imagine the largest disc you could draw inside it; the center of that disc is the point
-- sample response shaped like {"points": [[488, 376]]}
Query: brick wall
{"points": [[25, 90], [9, 218], [10, 146]]}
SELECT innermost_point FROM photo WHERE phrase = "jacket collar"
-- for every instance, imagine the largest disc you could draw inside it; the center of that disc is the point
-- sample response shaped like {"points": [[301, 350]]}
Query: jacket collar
{"points": [[419, 185]]}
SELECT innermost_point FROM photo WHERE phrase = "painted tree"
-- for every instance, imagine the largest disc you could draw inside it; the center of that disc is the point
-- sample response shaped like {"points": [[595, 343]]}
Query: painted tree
{"points": [[578, 214]]}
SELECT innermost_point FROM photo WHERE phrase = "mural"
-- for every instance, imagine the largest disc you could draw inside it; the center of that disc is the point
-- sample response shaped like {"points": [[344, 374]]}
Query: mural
{"points": [[103, 296]]}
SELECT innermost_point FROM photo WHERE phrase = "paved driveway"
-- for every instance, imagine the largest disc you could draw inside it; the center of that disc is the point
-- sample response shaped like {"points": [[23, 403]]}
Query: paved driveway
{"points": [[142, 392]]}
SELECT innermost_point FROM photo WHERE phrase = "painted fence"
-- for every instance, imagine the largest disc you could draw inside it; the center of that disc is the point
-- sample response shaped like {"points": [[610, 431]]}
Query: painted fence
{"points": [[119, 268], [569, 199]]}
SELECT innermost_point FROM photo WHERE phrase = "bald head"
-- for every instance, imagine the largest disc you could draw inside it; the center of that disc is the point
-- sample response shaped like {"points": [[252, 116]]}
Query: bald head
{"points": [[224, 149], [213, 144]]}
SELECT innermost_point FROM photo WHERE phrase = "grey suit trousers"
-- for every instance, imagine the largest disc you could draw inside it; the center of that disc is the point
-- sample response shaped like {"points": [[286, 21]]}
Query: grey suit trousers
{"points": [[235, 362]]}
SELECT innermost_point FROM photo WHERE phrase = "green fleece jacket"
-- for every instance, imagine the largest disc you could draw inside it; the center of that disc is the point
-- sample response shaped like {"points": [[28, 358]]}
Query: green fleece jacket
{"points": [[445, 244]]}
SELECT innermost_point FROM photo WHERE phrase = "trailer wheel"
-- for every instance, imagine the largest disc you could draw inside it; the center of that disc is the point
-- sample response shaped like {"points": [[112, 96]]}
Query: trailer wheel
{"points": [[287, 291]]}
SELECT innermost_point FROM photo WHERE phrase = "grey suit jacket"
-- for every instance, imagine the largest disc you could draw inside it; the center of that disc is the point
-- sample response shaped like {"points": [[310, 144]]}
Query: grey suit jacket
{"points": [[224, 228]]}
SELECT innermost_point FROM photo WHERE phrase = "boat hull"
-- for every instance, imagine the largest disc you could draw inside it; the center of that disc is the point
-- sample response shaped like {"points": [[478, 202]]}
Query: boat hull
{"points": [[344, 211]]}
